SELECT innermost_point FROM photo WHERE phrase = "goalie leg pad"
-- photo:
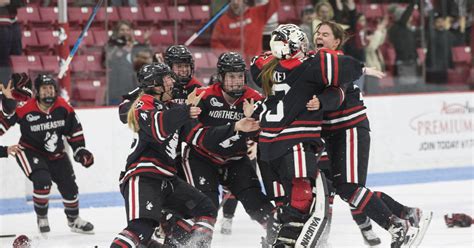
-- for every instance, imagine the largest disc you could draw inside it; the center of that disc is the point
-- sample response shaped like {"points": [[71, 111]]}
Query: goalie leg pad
{"points": [[301, 194]]}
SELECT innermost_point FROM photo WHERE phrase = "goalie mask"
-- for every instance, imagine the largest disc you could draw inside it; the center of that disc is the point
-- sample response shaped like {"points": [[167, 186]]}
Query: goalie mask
{"points": [[151, 76], [232, 74], [46, 97], [181, 61], [288, 41]]}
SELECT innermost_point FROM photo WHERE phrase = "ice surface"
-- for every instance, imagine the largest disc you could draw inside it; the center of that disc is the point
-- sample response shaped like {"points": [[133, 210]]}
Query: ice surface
{"points": [[440, 197]]}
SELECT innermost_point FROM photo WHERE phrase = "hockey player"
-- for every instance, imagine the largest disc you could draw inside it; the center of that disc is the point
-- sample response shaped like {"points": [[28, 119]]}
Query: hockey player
{"points": [[181, 61], [9, 102], [149, 184], [223, 103], [289, 141], [44, 120], [346, 132]]}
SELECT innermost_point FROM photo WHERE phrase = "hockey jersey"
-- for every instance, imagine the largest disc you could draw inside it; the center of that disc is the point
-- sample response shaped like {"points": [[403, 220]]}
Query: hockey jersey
{"points": [[284, 119], [351, 113], [180, 95], [217, 111], [163, 126], [43, 132], [3, 151]]}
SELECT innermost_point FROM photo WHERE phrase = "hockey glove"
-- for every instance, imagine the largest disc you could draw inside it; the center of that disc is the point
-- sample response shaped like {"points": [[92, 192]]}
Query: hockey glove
{"points": [[84, 157], [22, 86], [460, 220]]}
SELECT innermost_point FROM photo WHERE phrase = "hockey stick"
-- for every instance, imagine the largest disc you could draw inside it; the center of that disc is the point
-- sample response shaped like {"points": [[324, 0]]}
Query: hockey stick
{"points": [[7, 235], [213, 19], [65, 66]]}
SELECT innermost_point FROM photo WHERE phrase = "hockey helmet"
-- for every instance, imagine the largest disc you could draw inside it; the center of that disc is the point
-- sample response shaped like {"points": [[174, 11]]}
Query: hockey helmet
{"points": [[150, 76], [180, 54], [46, 79], [288, 41], [231, 62]]}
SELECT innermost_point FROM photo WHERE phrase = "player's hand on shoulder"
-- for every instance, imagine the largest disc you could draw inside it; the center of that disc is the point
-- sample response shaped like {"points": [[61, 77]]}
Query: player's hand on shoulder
{"points": [[194, 99], [84, 157]]}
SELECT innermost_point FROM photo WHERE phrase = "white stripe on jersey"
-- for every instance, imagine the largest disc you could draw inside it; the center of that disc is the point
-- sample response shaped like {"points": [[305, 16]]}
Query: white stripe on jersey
{"points": [[345, 118], [187, 167], [24, 162], [356, 156], [77, 133], [290, 130], [329, 68], [157, 127], [195, 139]]}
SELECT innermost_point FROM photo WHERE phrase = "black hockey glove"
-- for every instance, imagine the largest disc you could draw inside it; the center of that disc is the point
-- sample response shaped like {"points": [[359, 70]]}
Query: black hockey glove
{"points": [[84, 157], [22, 86], [460, 220]]}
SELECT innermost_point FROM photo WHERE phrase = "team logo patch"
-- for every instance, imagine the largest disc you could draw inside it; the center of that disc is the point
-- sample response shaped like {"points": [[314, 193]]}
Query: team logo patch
{"points": [[144, 116], [149, 205], [216, 103], [31, 118], [35, 160]]}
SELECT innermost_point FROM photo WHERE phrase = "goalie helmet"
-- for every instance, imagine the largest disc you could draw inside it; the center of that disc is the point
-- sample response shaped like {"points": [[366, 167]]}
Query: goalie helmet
{"points": [[288, 41], [179, 54], [231, 62], [46, 79]]}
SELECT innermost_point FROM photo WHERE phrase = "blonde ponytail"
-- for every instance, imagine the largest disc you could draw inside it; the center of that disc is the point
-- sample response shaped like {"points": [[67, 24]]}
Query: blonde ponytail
{"points": [[131, 118]]}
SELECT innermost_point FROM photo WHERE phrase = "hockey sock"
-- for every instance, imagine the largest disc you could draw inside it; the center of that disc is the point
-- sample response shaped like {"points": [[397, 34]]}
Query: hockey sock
{"points": [[41, 189], [359, 217], [394, 206], [71, 208], [229, 206], [138, 231], [363, 200]]}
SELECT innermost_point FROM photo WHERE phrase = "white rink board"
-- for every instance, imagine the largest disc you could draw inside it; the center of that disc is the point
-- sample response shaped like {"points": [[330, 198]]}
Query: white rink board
{"points": [[400, 126]]}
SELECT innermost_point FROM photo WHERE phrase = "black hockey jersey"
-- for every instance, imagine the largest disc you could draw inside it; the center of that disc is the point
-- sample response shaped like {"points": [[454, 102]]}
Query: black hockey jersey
{"points": [[43, 132], [162, 129], [217, 111], [284, 119], [180, 94], [351, 113]]}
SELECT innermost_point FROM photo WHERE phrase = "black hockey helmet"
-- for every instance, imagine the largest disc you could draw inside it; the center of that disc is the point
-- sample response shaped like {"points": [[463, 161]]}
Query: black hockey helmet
{"points": [[231, 62], [180, 54], [150, 76], [46, 79]]}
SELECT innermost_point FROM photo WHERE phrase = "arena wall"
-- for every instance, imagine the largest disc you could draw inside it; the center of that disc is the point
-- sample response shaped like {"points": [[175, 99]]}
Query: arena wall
{"points": [[409, 133]]}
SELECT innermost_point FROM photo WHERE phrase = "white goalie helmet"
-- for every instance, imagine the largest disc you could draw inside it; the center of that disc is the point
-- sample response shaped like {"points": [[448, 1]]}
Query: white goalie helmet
{"points": [[288, 41]]}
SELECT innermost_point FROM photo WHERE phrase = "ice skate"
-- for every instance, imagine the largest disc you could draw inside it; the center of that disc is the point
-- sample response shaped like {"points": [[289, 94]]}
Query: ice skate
{"points": [[226, 227], [43, 224], [81, 226]]}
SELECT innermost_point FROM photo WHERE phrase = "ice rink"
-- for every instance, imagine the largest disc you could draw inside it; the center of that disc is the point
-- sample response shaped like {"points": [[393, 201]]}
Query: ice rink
{"points": [[439, 197]]}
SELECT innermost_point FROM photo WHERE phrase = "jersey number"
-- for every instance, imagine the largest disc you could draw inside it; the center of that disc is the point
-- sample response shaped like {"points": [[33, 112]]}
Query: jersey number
{"points": [[280, 91]]}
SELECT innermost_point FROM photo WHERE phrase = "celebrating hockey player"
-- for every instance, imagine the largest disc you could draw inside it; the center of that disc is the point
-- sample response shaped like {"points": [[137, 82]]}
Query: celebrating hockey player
{"points": [[181, 61], [223, 103], [149, 184], [346, 132], [289, 141], [44, 120]]}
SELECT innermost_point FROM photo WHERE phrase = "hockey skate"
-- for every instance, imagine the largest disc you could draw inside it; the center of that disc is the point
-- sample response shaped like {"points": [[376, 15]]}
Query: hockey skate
{"points": [[43, 224], [398, 229], [226, 227], [81, 226], [416, 234], [370, 238]]}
